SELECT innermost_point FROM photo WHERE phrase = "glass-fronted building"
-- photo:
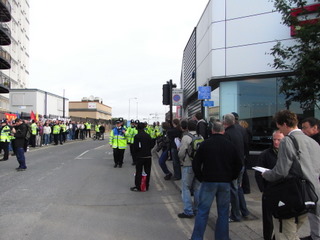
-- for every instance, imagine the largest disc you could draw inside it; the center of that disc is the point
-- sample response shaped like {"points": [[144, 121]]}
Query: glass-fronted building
{"points": [[229, 50]]}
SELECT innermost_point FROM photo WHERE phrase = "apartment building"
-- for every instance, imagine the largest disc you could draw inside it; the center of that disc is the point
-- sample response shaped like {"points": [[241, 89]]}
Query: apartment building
{"points": [[14, 47]]}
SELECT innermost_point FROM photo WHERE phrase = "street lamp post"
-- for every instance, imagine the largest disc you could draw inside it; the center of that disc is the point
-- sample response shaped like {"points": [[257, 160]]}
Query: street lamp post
{"points": [[130, 107]]}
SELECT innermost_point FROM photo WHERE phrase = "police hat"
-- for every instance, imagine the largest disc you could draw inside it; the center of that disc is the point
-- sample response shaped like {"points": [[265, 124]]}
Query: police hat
{"points": [[120, 119], [4, 121], [136, 121], [132, 121]]}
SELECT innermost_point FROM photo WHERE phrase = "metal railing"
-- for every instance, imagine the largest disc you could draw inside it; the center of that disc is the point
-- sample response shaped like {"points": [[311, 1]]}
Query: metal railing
{"points": [[5, 55]]}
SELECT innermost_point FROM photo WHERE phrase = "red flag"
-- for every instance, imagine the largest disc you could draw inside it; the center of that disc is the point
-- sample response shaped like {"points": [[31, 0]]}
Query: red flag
{"points": [[32, 116]]}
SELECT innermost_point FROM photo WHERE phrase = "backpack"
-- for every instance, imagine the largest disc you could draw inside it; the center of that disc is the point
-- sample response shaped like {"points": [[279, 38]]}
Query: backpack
{"points": [[28, 132], [197, 139]]}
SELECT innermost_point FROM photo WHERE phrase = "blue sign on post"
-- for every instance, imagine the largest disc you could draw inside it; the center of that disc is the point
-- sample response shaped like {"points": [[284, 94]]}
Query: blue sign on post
{"points": [[208, 103], [204, 92]]}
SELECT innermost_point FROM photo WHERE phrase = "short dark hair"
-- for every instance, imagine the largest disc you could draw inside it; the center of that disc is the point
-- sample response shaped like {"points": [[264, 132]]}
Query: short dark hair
{"points": [[184, 124], [287, 117], [312, 121], [198, 115], [192, 125]]}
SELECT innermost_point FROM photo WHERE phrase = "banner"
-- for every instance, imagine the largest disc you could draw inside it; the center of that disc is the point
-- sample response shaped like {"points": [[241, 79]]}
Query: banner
{"points": [[10, 116]]}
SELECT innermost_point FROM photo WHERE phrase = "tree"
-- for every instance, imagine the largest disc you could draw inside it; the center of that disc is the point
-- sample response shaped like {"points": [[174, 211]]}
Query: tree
{"points": [[301, 60]]}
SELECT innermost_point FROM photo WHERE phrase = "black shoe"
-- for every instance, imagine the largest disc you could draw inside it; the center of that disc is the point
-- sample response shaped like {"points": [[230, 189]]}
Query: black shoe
{"points": [[20, 169], [120, 165], [306, 238], [168, 176], [176, 179], [2, 159], [183, 215], [116, 165], [135, 189]]}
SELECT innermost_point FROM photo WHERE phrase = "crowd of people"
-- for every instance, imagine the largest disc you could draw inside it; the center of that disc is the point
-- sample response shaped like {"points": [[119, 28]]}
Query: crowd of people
{"points": [[41, 133], [218, 170], [214, 169]]}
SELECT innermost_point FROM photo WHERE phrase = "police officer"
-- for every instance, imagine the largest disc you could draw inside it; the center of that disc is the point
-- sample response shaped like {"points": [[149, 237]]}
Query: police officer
{"points": [[34, 129], [56, 133], [118, 141], [5, 138], [131, 132]]}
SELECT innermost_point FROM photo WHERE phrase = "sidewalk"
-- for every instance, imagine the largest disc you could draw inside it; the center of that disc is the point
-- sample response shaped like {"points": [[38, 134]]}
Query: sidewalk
{"points": [[250, 228]]}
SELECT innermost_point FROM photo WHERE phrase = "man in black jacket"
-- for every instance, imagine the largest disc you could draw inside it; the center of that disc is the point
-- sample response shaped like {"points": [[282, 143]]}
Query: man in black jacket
{"points": [[238, 202], [142, 146], [268, 159], [215, 165], [20, 135]]}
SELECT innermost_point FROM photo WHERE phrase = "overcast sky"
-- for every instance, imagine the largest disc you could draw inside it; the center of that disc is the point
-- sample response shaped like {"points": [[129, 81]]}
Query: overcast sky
{"points": [[115, 50]]}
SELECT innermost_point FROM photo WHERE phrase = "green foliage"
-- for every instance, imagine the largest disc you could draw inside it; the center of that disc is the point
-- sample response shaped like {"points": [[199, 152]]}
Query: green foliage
{"points": [[301, 59]]}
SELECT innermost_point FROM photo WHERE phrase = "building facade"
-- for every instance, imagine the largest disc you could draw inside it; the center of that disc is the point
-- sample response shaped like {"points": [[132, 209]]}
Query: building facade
{"points": [[16, 53], [229, 50], [45, 104], [90, 108]]}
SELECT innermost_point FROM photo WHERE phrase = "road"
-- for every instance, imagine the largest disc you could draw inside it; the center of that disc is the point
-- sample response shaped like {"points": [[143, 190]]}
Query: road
{"points": [[72, 191]]}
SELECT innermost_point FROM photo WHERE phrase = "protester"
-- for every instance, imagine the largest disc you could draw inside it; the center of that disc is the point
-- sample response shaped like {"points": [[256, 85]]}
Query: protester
{"points": [[238, 204], [174, 135], [287, 122], [268, 159], [189, 185], [216, 164], [202, 126], [20, 134], [142, 146]]}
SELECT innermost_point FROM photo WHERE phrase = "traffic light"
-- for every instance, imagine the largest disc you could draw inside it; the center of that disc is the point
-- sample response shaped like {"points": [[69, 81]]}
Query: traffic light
{"points": [[166, 94]]}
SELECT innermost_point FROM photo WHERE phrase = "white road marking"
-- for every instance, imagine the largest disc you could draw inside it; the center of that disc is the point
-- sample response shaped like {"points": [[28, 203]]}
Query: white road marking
{"points": [[79, 157]]}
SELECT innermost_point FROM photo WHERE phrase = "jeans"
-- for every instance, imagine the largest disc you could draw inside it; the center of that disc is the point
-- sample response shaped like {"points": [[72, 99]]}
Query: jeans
{"points": [[189, 183], [238, 202], [46, 139], [176, 163], [208, 191], [162, 162], [20, 157]]}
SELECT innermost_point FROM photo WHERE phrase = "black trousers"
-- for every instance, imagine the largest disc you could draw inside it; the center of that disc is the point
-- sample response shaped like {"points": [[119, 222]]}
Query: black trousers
{"points": [[142, 164], [118, 155], [266, 221], [5, 147], [32, 140], [132, 154]]}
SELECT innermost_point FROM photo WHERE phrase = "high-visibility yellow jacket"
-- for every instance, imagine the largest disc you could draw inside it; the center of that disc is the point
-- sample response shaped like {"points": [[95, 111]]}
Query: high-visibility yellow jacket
{"points": [[118, 138], [56, 129], [5, 134], [34, 129], [131, 132]]}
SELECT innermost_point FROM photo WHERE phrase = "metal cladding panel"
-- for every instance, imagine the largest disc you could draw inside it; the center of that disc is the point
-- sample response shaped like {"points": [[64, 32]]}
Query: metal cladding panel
{"points": [[194, 107], [189, 67]]}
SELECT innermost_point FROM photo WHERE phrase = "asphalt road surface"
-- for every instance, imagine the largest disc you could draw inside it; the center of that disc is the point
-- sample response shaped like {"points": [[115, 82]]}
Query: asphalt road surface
{"points": [[72, 191]]}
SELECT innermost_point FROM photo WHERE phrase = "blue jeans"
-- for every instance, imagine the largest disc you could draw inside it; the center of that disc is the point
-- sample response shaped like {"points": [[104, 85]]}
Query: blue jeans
{"points": [[238, 202], [46, 139], [20, 157], [162, 162], [189, 183], [208, 191], [176, 163]]}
